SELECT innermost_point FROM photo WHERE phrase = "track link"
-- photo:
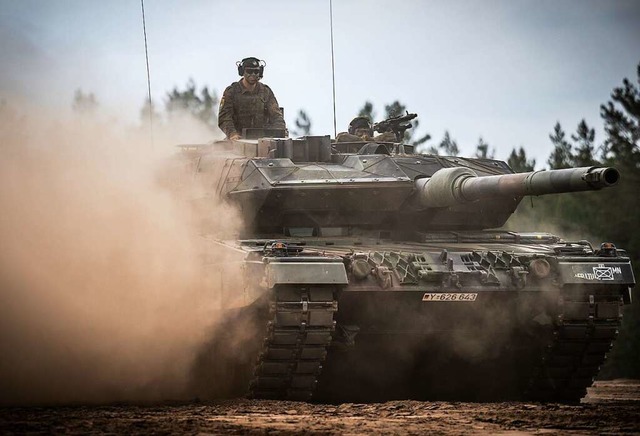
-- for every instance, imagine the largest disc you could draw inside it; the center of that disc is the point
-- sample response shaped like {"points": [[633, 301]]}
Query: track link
{"points": [[585, 329], [295, 346]]}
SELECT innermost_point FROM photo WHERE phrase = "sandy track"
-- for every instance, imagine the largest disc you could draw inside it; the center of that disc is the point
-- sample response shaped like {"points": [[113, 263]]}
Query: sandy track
{"points": [[610, 408]]}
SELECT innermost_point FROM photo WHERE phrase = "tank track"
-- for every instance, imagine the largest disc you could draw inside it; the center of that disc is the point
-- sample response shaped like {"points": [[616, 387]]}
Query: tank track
{"points": [[295, 346], [584, 331]]}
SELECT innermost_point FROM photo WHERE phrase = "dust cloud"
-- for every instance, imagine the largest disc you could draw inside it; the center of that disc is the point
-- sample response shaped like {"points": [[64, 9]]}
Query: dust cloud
{"points": [[102, 289], [525, 220]]}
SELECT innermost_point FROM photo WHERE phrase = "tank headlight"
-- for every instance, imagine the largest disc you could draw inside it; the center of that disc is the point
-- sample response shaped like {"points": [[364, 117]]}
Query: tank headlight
{"points": [[360, 268], [540, 268]]}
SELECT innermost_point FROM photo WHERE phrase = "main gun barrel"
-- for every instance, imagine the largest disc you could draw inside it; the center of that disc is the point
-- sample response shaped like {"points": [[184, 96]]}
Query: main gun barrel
{"points": [[450, 186]]}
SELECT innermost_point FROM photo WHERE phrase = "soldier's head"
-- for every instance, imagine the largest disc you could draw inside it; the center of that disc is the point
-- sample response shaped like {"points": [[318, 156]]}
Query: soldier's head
{"points": [[252, 69], [361, 126]]}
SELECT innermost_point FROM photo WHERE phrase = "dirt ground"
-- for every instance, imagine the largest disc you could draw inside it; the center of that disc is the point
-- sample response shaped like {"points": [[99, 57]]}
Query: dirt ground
{"points": [[611, 407]]}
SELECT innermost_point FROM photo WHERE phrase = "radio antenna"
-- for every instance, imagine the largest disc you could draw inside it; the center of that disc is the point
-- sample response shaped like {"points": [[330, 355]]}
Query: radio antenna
{"points": [[333, 69], [146, 54]]}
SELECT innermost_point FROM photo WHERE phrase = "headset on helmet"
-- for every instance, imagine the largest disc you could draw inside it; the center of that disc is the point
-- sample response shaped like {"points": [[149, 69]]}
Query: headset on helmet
{"points": [[250, 63], [360, 123]]}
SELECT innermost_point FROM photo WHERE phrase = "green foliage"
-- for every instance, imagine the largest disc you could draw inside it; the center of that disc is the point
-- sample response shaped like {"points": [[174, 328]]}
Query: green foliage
{"points": [[201, 104], [585, 148], [421, 140], [482, 150], [448, 147], [303, 124], [622, 123], [519, 163], [561, 156], [367, 111], [394, 109], [622, 126]]}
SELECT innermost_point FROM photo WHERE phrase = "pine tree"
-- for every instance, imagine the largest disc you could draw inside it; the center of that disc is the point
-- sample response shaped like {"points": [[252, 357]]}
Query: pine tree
{"points": [[422, 139], [367, 111], [584, 137], [622, 123], [394, 109], [202, 105], [561, 156], [519, 163], [621, 118], [448, 146], [482, 150]]}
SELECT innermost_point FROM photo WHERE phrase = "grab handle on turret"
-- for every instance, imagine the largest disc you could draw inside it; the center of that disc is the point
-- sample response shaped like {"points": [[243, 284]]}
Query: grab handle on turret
{"points": [[450, 186]]}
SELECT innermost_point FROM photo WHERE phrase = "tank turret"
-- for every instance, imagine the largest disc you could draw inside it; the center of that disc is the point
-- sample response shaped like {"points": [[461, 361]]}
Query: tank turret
{"points": [[310, 182]]}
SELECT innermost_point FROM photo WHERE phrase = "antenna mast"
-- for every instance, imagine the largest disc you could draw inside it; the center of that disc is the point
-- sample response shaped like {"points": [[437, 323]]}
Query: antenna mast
{"points": [[333, 69], [146, 54]]}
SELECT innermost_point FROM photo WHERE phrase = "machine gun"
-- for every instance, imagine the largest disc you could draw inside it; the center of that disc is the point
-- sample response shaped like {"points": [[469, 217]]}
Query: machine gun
{"points": [[398, 125]]}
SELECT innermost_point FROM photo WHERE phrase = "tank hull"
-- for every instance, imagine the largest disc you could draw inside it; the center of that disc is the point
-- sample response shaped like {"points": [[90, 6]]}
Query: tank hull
{"points": [[479, 320]]}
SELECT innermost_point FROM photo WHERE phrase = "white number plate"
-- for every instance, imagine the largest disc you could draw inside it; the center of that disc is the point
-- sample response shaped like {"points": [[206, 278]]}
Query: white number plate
{"points": [[449, 296]]}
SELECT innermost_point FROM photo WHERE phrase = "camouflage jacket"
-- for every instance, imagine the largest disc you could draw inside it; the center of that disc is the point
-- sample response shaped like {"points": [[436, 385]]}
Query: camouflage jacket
{"points": [[241, 108]]}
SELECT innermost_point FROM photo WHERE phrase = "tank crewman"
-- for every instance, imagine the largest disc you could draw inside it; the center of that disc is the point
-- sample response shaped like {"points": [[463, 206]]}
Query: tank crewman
{"points": [[248, 103], [360, 129]]}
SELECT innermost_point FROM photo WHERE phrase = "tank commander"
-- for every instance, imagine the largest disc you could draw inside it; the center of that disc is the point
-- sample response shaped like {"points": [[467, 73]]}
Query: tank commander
{"points": [[248, 103], [360, 129]]}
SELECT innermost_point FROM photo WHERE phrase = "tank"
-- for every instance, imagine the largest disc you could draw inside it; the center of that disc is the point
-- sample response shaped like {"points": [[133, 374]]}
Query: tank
{"points": [[371, 273]]}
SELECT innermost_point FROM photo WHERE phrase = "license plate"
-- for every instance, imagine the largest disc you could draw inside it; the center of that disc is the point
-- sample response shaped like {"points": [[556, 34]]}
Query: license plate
{"points": [[449, 296]]}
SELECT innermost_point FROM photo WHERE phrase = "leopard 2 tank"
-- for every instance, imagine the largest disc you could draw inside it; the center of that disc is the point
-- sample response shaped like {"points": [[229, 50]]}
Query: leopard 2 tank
{"points": [[371, 273]]}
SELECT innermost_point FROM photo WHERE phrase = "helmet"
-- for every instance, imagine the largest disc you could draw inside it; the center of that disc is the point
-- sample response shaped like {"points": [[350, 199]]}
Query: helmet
{"points": [[360, 123], [250, 63]]}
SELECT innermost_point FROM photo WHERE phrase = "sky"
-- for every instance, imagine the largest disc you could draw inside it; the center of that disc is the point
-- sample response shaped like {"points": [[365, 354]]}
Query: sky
{"points": [[503, 70]]}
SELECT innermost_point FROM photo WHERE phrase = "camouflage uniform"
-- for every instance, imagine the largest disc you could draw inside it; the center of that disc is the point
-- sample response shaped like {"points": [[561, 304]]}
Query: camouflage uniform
{"points": [[383, 137], [386, 137], [241, 108], [348, 137]]}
